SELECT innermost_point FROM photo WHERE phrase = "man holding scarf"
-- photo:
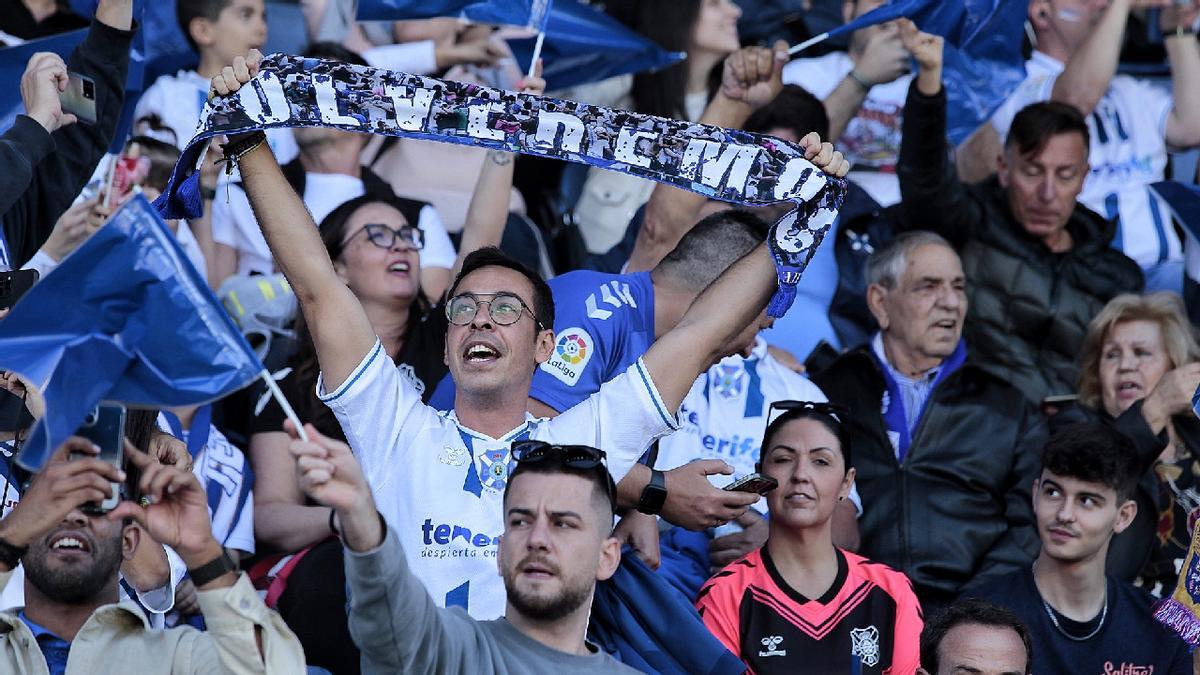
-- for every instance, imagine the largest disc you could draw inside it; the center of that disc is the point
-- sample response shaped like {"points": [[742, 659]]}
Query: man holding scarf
{"points": [[945, 452]]}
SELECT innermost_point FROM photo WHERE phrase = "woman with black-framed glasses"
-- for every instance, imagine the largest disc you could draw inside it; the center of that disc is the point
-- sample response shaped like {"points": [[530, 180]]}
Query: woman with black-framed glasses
{"points": [[800, 604]]}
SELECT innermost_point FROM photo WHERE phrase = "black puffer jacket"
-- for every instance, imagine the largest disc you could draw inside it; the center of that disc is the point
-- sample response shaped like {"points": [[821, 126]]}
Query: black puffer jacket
{"points": [[957, 509], [1029, 307]]}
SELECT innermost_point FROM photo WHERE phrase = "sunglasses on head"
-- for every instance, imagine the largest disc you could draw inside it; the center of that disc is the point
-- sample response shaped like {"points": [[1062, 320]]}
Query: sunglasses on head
{"points": [[578, 457], [832, 410]]}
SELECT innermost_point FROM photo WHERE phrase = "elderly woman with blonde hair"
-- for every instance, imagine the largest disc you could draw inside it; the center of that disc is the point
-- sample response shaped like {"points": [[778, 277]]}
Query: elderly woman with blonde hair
{"points": [[1140, 366]]}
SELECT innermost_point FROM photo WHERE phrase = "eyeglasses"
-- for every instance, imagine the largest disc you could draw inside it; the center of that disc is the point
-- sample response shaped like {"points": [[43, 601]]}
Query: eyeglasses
{"points": [[579, 457], [385, 236], [833, 410], [504, 308]]}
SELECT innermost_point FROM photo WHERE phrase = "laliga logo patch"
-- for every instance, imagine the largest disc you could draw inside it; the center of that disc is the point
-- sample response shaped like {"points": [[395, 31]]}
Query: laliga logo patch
{"points": [[571, 354]]}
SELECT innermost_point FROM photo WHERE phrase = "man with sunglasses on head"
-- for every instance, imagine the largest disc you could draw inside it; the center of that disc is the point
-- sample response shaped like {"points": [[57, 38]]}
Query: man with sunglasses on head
{"points": [[440, 476], [558, 507], [945, 452]]}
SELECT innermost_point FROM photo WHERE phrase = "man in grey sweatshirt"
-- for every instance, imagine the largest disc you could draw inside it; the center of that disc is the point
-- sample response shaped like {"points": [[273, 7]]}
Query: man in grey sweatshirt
{"points": [[557, 543]]}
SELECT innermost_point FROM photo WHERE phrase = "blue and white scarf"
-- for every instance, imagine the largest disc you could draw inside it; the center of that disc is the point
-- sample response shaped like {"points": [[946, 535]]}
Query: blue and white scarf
{"points": [[730, 165]]}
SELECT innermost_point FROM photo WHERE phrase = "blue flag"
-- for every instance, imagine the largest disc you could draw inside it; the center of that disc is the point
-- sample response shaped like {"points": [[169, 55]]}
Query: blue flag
{"points": [[527, 13], [583, 44], [124, 318], [982, 63]]}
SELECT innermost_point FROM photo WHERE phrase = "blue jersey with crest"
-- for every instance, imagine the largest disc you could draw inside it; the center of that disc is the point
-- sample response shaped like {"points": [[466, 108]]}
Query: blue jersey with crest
{"points": [[603, 323]]}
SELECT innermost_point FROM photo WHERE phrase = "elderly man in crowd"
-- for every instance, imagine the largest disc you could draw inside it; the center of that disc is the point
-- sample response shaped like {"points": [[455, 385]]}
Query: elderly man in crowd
{"points": [[944, 450]]}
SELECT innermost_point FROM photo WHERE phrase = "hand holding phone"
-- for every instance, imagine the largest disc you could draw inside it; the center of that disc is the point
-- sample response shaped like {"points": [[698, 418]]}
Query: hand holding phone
{"points": [[105, 427], [44, 80], [79, 98], [755, 482]]}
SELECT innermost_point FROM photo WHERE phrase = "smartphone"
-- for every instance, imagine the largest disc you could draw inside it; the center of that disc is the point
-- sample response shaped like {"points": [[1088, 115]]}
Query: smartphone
{"points": [[820, 358], [15, 284], [79, 99], [105, 426], [1052, 404], [755, 482]]}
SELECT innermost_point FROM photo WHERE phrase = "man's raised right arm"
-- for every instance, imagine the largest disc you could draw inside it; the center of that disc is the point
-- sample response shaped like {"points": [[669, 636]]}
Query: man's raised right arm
{"points": [[340, 330]]}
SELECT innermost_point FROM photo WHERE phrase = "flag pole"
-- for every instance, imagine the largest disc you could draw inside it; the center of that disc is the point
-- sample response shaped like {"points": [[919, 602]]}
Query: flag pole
{"points": [[537, 53], [792, 51], [283, 403]]}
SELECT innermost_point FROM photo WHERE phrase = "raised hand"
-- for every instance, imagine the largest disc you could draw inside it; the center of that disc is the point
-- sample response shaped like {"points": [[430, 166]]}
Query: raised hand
{"points": [[883, 59], [328, 472], [928, 50], [74, 227], [754, 75], [232, 77], [44, 79], [176, 510], [64, 485], [824, 156]]}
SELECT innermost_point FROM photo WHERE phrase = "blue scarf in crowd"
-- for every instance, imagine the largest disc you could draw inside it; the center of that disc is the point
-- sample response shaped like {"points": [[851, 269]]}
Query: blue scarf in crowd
{"points": [[726, 164], [894, 414]]}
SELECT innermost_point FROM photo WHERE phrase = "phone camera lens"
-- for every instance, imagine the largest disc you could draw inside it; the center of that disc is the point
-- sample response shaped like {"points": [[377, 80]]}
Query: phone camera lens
{"points": [[89, 90], [91, 417]]}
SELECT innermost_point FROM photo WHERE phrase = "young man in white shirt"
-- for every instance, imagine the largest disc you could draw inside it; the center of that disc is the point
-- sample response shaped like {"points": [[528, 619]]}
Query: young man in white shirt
{"points": [[418, 460]]}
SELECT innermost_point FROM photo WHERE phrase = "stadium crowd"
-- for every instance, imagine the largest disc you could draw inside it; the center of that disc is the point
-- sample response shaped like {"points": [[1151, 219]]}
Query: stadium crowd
{"points": [[547, 423]]}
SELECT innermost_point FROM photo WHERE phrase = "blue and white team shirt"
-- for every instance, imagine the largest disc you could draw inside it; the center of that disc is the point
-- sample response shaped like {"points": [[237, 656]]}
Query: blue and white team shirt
{"points": [[440, 484], [724, 415], [1128, 152], [603, 323], [227, 478]]}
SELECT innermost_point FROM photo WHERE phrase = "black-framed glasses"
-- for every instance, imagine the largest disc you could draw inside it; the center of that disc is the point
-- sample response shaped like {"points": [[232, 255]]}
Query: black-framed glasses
{"points": [[386, 236], [504, 308], [578, 457]]}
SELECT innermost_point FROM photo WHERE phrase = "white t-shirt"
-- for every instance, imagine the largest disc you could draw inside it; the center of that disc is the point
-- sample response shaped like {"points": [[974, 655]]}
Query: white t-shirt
{"points": [[1128, 152], [871, 140], [440, 484], [234, 224], [724, 416], [179, 99]]}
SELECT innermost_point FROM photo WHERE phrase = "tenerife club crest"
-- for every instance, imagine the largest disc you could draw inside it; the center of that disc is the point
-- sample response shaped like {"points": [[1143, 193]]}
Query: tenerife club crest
{"points": [[728, 380], [864, 643], [493, 469]]}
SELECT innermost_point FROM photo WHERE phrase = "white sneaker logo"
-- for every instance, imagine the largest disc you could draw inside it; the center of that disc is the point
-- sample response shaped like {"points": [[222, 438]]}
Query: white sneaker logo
{"points": [[771, 642], [864, 643]]}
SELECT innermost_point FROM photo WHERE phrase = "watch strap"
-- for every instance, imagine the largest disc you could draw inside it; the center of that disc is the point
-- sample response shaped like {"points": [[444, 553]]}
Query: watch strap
{"points": [[211, 570], [654, 495]]}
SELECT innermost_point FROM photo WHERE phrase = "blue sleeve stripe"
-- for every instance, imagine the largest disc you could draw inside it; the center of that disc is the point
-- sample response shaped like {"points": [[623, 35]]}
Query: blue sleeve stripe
{"points": [[358, 372], [667, 419]]}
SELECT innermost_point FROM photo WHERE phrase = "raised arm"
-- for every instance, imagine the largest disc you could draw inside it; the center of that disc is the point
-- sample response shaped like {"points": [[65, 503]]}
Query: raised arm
{"points": [[1089, 71], [1183, 51], [394, 622], [883, 59], [752, 77], [725, 308], [340, 330], [55, 180], [488, 211], [933, 198]]}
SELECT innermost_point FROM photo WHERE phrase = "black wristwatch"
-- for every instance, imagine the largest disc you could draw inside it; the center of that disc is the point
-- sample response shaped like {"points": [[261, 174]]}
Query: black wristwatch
{"points": [[213, 569], [654, 495]]}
